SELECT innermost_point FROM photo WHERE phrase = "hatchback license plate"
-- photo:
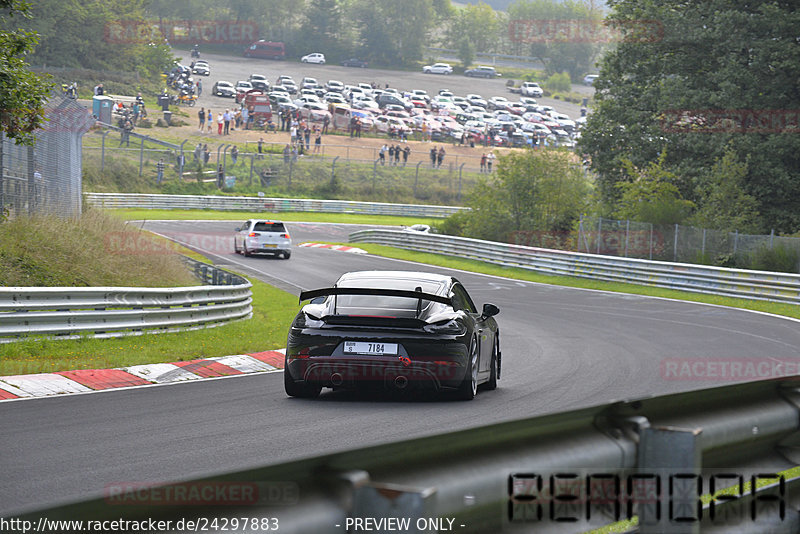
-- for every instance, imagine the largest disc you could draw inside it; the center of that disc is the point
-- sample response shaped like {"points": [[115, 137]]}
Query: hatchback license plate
{"points": [[269, 246], [371, 348]]}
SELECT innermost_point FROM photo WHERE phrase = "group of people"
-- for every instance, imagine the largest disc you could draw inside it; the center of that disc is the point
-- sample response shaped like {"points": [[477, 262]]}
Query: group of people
{"points": [[437, 156], [394, 153], [486, 161]]}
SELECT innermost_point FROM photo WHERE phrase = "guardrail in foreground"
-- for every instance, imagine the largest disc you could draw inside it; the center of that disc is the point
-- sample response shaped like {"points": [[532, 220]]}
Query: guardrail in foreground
{"points": [[228, 203], [569, 472], [779, 287], [116, 311]]}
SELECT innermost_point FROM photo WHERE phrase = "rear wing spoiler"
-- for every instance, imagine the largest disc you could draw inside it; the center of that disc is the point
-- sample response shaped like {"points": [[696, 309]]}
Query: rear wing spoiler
{"points": [[306, 295]]}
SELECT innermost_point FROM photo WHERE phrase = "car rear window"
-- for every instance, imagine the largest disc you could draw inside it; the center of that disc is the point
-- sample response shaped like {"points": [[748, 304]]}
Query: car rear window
{"points": [[269, 227]]}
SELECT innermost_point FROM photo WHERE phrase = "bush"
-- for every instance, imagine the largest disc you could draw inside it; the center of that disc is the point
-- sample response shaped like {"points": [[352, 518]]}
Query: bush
{"points": [[779, 259], [558, 82]]}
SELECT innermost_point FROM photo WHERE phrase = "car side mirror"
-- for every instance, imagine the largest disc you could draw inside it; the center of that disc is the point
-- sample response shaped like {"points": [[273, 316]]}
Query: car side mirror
{"points": [[490, 310], [238, 229]]}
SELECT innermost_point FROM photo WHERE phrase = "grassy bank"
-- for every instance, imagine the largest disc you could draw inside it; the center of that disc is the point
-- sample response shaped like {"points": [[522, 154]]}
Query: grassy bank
{"points": [[94, 250]]}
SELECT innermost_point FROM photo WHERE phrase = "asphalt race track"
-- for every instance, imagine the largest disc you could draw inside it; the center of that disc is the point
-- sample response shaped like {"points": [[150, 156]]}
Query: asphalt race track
{"points": [[562, 349]]}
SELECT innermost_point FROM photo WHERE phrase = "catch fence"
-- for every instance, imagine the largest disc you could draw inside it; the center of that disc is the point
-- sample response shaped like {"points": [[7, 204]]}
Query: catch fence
{"points": [[45, 178]]}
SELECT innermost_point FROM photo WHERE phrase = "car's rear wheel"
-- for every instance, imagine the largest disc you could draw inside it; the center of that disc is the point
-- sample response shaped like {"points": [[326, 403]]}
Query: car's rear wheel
{"points": [[245, 251], [469, 386], [235, 248], [287, 255], [303, 391]]}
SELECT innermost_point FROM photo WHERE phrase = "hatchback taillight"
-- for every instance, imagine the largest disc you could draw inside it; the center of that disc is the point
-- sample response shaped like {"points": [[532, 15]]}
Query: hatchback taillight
{"points": [[285, 236], [253, 234]]}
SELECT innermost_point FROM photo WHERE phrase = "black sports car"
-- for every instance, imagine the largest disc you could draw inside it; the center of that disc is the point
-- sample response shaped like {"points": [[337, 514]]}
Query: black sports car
{"points": [[392, 329], [354, 62]]}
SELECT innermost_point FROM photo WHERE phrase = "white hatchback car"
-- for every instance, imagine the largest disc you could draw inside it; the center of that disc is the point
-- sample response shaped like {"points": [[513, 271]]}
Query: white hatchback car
{"points": [[316, 57], [437, 68], [260, 236]]}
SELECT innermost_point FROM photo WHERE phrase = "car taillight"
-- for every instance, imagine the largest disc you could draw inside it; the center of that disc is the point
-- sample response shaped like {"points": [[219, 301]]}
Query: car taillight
{"points": [[285, 236], [253, 234]]}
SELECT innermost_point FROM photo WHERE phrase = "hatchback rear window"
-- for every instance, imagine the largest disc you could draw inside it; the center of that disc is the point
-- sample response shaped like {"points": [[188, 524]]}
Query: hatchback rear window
{"points": [[269, 227]]}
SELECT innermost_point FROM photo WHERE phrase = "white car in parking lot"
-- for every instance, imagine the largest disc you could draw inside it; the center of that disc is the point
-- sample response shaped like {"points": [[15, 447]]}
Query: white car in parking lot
{"points": [[316, 57], [437, 68]]}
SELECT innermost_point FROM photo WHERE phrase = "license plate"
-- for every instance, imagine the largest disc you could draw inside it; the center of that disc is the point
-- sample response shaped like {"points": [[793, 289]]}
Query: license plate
{"points": [[269, 246], [371, 348]]}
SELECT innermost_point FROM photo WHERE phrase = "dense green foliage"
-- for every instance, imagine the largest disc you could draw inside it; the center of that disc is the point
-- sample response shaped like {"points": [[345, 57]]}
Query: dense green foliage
{"points": [[710, 55], [21, 92]]}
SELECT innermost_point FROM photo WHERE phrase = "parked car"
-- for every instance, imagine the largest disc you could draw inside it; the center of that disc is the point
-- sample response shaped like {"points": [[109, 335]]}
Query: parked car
{"points": [[260, 236], [392, 329], [589, 79], [243, 86], [334, 86], [266, 49], [437, 68], [202, 68], [482, 71], [259, 81], [354, 62], [476, 100], [531, 89], [316, 57], [314, 111], [223, 88]]}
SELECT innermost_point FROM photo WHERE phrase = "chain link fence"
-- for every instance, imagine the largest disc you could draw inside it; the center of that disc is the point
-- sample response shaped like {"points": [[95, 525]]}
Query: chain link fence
{"points": [[46, 178], [688, 244]]}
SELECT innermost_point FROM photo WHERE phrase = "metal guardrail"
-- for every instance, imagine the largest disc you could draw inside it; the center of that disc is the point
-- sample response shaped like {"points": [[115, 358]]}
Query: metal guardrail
{"points": [[569, 472], [117, 311], [230, 203], [779, 287]]}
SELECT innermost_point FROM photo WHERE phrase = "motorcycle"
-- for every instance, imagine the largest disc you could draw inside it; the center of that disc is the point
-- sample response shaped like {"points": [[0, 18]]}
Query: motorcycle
{"points": [[195, 53]]}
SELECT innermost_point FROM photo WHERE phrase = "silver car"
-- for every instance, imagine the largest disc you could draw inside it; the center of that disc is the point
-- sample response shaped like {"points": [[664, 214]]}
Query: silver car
{"points": [[260, 236]]}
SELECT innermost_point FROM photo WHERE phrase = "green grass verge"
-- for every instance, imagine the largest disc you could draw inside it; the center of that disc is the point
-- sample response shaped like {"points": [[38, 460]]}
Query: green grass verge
{"points": [[450, 262], [184, 215], [273, 311]]}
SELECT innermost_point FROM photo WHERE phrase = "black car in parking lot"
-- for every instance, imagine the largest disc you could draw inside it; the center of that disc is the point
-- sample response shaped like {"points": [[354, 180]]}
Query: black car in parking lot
{"points": [[392, 329], [354, 62]]}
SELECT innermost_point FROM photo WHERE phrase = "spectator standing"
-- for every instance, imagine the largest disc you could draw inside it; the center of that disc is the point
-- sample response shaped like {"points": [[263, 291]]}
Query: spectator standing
{"points": [[206, 154], [358, 127], [434, 156], [352, 126], [160, 170], [226, 121], [397, 151], [391, 154], [209, 120], [135, 108], [293, 133], [440, 157], [317, 140], [234, 154], [199, 88], [249, 118], [307, 135], [201, 116], [406, 152], [220, 122], [260, 147], [325, 122], [489, 160], [198, 151], [287, 153], [483, 162], [382, 154], [98, 90]]}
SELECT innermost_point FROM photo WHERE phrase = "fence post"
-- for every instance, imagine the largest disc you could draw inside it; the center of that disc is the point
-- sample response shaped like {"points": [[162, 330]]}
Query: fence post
{"points": [[459, 180], [333, 168], [224, 164], [627, 228], [31, 180], [675, 245], [599, 233], [103, 151], [416, 179], [141, 156], [182, 161]]}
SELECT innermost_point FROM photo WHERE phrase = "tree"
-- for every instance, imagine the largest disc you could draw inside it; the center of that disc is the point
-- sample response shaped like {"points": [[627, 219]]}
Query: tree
{"points": [[322, 27], [533, 191], [724, 205], [466, 52], [22, 93], [651, 195], [479, 24], [394, 32], [718, 55]]}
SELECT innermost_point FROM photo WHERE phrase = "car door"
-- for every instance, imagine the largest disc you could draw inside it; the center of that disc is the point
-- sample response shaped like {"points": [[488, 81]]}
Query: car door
{"points": [[462, 301], [244, 229]]}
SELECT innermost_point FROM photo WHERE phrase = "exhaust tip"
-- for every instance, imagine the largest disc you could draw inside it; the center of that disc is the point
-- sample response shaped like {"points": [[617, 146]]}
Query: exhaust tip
{"points": [[336, 379], [401, 382]]}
